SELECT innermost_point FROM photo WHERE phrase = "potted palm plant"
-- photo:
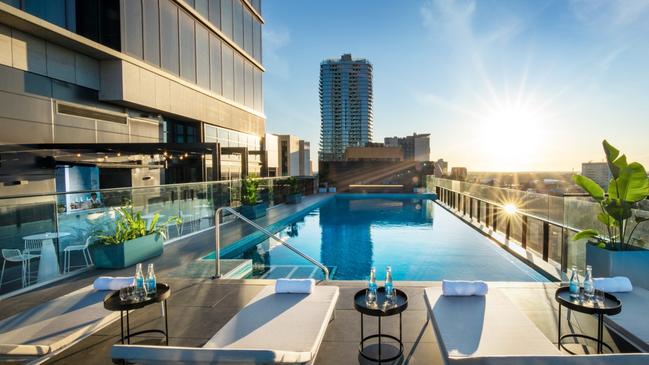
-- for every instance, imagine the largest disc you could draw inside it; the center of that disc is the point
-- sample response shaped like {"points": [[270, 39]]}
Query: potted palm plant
{"points": [[131, 242], [294, 194], [251, 206], [613, 252]]}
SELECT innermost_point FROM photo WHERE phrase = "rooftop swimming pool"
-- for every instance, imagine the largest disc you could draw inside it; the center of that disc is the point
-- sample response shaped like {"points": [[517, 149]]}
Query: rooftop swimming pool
{"points": [[418, 238]]}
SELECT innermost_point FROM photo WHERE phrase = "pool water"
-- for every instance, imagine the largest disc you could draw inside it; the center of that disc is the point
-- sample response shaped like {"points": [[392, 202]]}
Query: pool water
{"points": [[419, 239]]}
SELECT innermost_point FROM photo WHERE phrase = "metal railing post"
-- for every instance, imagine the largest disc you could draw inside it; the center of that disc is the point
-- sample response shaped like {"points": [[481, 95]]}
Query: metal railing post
{"points": [[524, 232], [217, 238], [546, 241]]}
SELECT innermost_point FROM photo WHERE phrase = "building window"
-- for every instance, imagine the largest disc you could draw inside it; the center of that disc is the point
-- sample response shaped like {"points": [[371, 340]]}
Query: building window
{"points": [[215, 64], [100, 26], [215, 13], [187, 47], [150, 15], [226, 17], [228, 72], [237, 20], [202, 57], [182, 132], [169, 36], [239, 85], [133, 28]]}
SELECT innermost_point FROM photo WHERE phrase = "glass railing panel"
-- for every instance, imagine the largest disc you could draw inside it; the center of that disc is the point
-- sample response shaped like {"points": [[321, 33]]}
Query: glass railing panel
{"points": [[64, 222]]}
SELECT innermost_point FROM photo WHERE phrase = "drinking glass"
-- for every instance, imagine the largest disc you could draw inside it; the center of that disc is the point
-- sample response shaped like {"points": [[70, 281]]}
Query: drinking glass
{"points": [[370, 297], [124, 293]]}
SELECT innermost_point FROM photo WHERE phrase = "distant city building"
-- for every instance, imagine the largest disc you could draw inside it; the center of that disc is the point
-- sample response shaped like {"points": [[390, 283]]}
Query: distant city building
{"points": [[374, 153], [270, 159], [345, 106], [441, 168], [458, 173], [415, 147], [294, 156], [598, 172], [305, 158]]}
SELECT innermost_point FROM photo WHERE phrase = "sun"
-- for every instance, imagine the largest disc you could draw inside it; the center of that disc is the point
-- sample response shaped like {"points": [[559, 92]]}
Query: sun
{"points": [[511, 136]]}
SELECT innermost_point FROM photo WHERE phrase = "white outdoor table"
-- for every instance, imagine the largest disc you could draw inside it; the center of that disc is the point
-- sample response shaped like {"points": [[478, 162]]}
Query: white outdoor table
{"points": [[48, 265]]}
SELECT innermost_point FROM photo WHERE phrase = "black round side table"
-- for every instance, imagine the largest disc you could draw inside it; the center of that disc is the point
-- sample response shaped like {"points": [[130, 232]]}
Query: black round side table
{"points": [[112, 302], [610, 306], [381, 309]]}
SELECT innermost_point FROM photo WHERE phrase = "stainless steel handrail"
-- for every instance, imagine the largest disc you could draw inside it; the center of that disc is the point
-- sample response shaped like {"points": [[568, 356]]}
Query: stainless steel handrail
{"points": [[217, 233]]}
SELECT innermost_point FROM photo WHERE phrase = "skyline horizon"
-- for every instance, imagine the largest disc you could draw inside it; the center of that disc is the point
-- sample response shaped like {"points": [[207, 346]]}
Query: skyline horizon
{"points": [[501, 86]]}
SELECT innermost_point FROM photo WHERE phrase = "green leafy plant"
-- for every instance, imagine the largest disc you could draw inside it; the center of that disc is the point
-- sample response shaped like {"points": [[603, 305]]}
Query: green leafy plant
{"points": [[130, 225], [293, 185], [249, 191], [628, 186]]}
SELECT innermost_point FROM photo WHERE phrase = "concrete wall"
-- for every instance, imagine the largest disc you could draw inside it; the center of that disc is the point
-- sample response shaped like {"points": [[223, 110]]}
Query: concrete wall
{"points": [[134, 85]]}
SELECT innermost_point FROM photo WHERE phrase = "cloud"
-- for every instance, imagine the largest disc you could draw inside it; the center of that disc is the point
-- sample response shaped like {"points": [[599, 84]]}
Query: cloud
{"points": [[274, 40], [610, 14]]}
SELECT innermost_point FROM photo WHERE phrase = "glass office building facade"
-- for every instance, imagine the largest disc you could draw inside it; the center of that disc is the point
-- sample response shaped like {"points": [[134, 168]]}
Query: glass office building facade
{"points": [[134, 71], [345, 106]]}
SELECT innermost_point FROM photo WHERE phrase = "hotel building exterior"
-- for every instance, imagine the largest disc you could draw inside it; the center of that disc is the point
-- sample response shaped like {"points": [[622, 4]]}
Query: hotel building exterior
{"points": [[119, 93], [345, 106]]}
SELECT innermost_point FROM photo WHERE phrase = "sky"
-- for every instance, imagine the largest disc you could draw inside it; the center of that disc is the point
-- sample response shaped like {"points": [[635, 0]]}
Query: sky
{"points": [[501, 85]]}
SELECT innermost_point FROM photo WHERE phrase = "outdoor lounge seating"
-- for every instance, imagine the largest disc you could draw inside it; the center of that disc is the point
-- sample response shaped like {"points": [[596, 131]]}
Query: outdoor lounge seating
{"points": [[53, 325], [632, 323], [492, 330], [272, 328]]}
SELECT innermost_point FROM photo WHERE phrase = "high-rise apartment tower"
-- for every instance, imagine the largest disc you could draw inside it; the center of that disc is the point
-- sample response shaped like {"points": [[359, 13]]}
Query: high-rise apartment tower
{"points": [[345, 106]]}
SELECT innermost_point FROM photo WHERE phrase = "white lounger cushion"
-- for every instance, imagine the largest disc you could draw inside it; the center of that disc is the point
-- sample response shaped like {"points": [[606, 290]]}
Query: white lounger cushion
{"points": [[608, 359], [484, 326], [54, 324], [632, 323], [272, 328]]}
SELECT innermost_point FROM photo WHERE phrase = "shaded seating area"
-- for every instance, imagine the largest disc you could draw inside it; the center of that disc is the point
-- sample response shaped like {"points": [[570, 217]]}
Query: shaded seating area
{"points": [[490, 329], [56, 324], [273, 327]]}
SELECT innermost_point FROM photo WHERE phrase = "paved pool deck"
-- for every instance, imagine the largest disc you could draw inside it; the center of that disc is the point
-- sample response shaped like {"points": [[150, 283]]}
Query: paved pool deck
{"points": [[199, 308]]}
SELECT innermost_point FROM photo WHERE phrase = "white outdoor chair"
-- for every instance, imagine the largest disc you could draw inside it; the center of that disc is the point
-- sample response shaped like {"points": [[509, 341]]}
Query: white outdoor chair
{"points": [[186, 218], [14, 255], [72, 248], [33, 247]]}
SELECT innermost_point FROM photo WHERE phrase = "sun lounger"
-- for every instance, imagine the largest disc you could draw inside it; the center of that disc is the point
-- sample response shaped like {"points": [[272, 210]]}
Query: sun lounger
{"points": [[272, 328], [55, 324], [491, 330], [632, 323]]}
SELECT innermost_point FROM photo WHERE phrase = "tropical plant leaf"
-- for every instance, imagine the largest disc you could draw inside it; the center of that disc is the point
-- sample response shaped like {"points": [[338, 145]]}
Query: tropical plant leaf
{"points": [[612, 154], [589, 186], [154, 221], [607, 220], [587, 233], [620, 210], [639, 219], [632, 185]]}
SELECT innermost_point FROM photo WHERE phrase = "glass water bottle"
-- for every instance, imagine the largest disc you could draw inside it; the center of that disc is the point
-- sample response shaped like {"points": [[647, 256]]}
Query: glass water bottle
{"points": [[140, 288], [574, 283], [371, 287], [589, 288], [150, 280], [389, 288]]}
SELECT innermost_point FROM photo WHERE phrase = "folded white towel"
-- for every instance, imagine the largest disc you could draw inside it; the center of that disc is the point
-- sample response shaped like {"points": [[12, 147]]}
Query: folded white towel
{"points": [[111, 283], [616, 284], [462, 288], [301, 286]]}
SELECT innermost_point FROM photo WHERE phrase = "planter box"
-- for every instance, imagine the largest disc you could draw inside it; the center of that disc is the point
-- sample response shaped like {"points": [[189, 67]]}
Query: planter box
{"points": [[332, 190], [127, 254], [294, 198], [322, 190], [632, 264], [253, 211]]}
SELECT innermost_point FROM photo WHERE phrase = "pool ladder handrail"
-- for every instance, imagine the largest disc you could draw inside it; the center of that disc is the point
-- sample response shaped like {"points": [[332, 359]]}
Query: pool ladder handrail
{"points": [[217, 233]]}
